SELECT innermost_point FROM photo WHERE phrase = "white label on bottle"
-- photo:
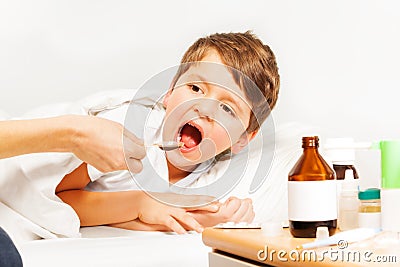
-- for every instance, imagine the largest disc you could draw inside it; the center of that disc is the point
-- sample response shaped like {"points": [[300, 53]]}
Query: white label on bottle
{"points": [[312, 200]]}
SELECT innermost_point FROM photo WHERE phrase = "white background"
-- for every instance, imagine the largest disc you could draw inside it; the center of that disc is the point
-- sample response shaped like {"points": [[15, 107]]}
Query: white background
{"points": [[338, 60]]}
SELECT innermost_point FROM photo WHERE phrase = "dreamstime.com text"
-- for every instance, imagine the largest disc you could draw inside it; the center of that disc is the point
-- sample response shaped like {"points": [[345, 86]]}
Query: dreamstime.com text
{"points": [[335, 254]]}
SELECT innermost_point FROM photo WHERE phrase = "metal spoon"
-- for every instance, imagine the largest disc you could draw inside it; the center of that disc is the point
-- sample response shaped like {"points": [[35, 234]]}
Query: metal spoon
{"points": [[169, 145]]}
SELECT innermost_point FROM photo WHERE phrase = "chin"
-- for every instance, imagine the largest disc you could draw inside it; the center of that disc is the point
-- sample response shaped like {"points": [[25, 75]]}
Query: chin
{"points": [[189, 158]]}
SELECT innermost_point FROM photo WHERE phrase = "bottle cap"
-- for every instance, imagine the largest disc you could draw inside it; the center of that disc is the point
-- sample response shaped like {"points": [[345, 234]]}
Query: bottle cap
{"points": [[271, 228], [370, 193], [322, 233], [349, 175], [340, 151]]}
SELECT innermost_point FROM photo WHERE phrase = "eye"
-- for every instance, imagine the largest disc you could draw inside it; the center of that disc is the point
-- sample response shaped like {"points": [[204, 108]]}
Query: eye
{"points": [[227, 109], [196, 88]]}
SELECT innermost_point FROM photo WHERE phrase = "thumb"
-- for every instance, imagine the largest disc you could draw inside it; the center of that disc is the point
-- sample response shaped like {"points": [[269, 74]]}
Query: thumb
{"points": [[213, 207]]}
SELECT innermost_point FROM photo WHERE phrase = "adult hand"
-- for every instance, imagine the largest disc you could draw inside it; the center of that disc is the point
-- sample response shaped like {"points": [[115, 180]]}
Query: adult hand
{"points": [[102, 143], [94, 140]]}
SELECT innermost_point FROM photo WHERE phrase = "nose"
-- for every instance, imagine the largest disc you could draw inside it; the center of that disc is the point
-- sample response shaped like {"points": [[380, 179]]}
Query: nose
{"points": [[206, 108]]}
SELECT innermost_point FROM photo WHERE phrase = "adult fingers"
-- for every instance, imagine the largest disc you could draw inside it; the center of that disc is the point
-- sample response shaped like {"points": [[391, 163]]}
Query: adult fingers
{"points": [[133, 146], [129, 135], [133, 150], [134, 165]]}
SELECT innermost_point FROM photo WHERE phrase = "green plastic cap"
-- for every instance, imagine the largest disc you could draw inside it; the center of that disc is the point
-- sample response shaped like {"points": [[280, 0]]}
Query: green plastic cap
{"points": [[370, 193]]}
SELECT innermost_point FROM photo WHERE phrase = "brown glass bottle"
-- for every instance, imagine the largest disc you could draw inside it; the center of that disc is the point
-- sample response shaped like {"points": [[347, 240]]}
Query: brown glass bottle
{"points": [[311, 192]]}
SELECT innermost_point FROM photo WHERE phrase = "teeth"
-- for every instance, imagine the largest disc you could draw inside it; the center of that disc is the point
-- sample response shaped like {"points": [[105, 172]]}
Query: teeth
{"points": [[179, 137]]}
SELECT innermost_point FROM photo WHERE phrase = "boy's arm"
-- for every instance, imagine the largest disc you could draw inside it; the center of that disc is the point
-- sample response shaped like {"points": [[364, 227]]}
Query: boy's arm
{"points": [[95, 208], [102, 208], [140, 226]]}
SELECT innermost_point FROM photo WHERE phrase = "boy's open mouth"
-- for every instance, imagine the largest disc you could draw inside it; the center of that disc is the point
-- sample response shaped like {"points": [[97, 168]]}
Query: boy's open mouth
{"points": [[190, 134]]}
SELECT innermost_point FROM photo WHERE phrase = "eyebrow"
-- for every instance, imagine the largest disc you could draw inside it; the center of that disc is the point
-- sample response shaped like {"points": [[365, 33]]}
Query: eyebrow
{"points": [[198, 76]]}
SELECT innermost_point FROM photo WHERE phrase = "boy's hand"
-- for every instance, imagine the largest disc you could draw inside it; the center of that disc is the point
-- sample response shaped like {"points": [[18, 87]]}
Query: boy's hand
{"points": [[238, 210], [232, 210], [176, 219], [212, 207]]}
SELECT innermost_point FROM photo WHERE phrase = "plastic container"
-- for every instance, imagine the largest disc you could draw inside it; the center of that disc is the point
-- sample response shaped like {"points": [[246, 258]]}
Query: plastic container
{"points": [[341, 153], [390, 170], [369, 212], [348, 203]]}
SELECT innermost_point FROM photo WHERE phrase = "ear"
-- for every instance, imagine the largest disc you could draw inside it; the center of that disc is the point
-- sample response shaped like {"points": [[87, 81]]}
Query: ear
{"points": [[243, 141], [166, 98]]}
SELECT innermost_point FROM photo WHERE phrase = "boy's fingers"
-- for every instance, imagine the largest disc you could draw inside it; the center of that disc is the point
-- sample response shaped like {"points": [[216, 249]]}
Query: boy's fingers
{"points": [[245, 213], [214, 207], [189, 221], [172, 224], [232, 204], [241, 212], [248, 216]]}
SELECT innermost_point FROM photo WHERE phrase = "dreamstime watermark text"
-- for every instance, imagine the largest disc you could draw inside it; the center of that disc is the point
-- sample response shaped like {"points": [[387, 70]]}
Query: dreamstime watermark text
{"points": [[340, 253]]}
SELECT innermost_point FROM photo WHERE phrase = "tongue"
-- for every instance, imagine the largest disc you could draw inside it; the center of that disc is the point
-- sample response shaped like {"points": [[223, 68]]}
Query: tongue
{"points": [[190, 136]]}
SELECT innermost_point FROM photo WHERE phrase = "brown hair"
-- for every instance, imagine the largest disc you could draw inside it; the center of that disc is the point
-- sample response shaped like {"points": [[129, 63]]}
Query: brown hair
{"points": [[247, 54]]}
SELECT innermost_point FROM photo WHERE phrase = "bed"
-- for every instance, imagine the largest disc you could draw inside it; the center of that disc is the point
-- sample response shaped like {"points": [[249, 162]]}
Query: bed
{"points": [[25, 221], [102, 245]]}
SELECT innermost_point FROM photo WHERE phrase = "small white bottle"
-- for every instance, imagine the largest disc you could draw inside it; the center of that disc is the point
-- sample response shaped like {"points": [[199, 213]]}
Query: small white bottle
{"points": [[348, 203], [369, 215], [341, 153]]}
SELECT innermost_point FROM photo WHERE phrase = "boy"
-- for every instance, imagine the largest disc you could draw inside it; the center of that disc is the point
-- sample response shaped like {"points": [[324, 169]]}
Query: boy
{"points": [[212, 108]]}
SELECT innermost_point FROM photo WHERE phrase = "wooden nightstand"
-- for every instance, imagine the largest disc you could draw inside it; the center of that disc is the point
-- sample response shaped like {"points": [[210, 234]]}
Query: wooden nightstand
{"points": [[249, 247]]}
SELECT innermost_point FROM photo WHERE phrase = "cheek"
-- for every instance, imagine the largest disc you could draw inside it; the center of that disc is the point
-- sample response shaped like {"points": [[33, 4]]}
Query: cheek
{"points": [[222, 138], [176, 99], [172, 106]]}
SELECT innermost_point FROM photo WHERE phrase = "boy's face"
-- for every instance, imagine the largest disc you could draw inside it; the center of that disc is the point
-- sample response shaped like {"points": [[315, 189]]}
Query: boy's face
{"points": [[207, 111]]}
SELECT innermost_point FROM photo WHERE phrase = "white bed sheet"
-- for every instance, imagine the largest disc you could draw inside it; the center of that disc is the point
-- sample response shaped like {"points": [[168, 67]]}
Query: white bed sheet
{"points": [[107, 246]]}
